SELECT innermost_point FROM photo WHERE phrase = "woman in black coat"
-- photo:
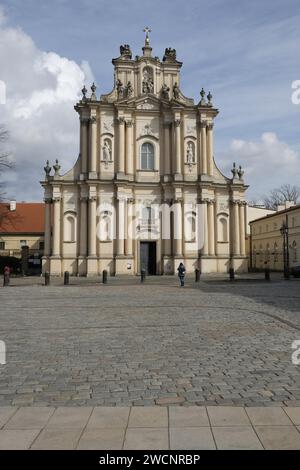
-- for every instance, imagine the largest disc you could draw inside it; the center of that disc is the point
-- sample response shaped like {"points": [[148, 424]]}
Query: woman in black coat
{"points": [[181, 274]]}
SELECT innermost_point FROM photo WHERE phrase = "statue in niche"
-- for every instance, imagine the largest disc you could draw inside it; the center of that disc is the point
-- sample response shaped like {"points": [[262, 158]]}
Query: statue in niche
{"points": [[129, 90], [120, 88], [190, 157], [106, 152], [165, 91], [147, 85], [176, 91]]}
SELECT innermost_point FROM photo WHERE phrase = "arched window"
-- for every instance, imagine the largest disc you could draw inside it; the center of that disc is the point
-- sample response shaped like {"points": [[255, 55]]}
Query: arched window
{"points": [[147, 156], [190, 227], [223, 230], [70, 228]]}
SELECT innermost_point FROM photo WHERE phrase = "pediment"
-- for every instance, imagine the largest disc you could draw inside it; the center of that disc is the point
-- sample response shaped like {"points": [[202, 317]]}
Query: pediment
{"points": [[146, 102]]}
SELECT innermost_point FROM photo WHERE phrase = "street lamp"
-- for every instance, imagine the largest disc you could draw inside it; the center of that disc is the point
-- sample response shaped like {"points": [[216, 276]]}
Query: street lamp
{"points": [[284, 230]]}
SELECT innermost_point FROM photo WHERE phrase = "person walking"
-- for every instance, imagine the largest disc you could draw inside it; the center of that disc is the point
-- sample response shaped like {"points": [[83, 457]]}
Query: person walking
{"points": [[181, 274]]}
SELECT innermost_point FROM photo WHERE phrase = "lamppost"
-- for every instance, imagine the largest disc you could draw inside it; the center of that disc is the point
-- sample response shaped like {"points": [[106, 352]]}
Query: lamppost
{"points": [[284, 230]]}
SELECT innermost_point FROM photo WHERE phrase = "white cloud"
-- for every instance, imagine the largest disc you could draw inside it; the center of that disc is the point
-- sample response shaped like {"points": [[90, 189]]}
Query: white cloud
{"points": [[268, 162], [42, 88]]}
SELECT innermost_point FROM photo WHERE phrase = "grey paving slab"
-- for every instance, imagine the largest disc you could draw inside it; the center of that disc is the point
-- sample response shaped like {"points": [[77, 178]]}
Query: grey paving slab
{"points": [[57, 439], [279, 437], [227, 416], [236, 438], [149, 416], [30, 418], [268, 416], [17, 439], [6, 412], [293, 413], [191, 438], [101, 439], [70, 417], [146, 438], [109, 417], [188, 416]]}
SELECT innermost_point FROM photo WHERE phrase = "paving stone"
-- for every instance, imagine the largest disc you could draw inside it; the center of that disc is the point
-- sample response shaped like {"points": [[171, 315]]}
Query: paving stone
{"points": [[293, 413], [57, 439], [236, 438], [30, 418], [70, 417], [153, 417], [268, 416], [227, 416], [188, 416], [108, 417], [191, 438], [16, 439], [102, 439], [6, 412], [279, 437], [146, 438]]}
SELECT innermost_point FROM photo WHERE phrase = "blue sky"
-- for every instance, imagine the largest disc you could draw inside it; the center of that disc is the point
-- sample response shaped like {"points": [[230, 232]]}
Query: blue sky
{"points": [[245, 53]]}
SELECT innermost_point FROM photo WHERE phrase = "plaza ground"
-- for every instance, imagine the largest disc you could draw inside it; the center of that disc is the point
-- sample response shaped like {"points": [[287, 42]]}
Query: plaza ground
{"points": [[126, 346]]}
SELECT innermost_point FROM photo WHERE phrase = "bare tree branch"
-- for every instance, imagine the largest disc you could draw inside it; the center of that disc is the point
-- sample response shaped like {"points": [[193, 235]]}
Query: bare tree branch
{"points": [[277, 196]]}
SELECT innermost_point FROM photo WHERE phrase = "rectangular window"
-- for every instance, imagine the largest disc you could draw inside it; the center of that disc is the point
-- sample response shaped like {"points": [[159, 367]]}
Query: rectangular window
{"points": [[41, 246], [2, 245]]}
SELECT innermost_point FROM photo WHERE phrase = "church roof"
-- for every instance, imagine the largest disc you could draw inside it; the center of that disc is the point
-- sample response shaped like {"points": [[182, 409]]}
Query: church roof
{"points": [[28, 217]]}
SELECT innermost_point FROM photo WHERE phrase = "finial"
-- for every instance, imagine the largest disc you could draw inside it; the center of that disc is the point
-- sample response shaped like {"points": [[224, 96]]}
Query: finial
{"points": [[56, 168], [84, 92], [234, 170], [93, 95], [209, 97], [47, 168], [147, 30], [240, 172], [202, 94]]}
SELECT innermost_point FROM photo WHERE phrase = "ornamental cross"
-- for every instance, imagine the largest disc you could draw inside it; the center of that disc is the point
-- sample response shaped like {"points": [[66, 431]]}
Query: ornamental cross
{"points": [[147, 30]]}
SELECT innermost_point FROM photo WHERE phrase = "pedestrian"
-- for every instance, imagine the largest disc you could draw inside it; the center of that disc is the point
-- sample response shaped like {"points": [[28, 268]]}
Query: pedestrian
{"points": [[181, 274]]}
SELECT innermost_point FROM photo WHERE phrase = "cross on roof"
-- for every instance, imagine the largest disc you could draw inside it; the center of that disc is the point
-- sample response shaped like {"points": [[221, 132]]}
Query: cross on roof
{"points": [[147, 30]]}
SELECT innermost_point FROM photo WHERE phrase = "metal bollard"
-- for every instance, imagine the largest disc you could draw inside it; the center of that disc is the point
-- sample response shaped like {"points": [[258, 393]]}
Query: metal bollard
{"points": [[6, 279], [267, 274], [143, 275], [104, 276], [47, 278], [231, 274], [66, 278], [197, 275]]}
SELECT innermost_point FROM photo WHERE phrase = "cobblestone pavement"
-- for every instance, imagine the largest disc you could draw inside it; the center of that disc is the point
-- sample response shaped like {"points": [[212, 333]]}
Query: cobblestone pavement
{"points": [[173, 427], [123, 344]]}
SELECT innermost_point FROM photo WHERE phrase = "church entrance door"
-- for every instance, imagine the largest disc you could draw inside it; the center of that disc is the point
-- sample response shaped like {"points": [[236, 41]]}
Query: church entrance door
{"points": [[148, 257]]}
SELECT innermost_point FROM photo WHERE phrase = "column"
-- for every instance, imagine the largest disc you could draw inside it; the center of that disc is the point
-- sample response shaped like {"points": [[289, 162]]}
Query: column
{"points": [[129, 152], [56, 227], [236, 229], [242, 229], [210, 150], [167, 165], [47, 239], [121, 227], [211, 228], [128, 239], [166, 228], [83, 226], [203, 148], [177, 123], [178, 228], [205, 231], [92, 226], [93, 144], [121, 160], [83, 143]]}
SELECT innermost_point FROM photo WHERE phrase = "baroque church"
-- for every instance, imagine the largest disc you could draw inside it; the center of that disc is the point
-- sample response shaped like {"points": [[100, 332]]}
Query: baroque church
{"points": [[145, 191]]}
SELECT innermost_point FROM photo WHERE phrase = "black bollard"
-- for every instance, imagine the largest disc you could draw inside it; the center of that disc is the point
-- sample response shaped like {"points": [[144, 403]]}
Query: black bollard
{"points": [[197, 275], [267, 274], [143, 275], [66, 278], [47, 278], [104, 276], [6, 279], [231, 274]]}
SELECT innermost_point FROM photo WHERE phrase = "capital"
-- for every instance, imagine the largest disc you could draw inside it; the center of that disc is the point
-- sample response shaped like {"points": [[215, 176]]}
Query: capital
{"points": [[129, 123], [93, 119], [177, 122]]}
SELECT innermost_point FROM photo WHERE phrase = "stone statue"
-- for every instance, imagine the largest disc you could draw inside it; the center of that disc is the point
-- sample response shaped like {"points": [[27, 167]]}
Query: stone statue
{"points": [[190, 154], [170, 54], [47, 168], [84, 92], [106, 152], [240, 173], [129, 90], [93, 95], [56, 168], [209, 97], [125, 51], [202, 94], [165, 91], [234, 170], [176, 91], [147, 85], [120, 88]]}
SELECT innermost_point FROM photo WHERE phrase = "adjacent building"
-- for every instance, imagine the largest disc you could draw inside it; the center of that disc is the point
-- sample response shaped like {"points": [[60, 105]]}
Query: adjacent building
{"points": [[145, 192]]}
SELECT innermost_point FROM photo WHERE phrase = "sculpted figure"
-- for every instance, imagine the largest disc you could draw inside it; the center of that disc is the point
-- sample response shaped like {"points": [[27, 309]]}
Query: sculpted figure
{"points": [[120, 88], [165, 91], [106, 152], [129, 89], [190, 154], [176, 91]]}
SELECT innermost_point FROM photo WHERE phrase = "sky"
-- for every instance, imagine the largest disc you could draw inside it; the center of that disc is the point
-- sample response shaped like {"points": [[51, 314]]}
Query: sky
{"points": [[245, 53]]}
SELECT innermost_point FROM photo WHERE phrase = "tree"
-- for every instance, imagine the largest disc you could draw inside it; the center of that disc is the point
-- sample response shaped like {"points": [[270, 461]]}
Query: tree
{"points": [[277, 196], [5, 163]]}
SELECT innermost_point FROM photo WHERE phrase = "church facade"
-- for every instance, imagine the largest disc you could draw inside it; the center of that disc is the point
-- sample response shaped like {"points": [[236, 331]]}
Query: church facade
{"points": [[145, 192]]}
